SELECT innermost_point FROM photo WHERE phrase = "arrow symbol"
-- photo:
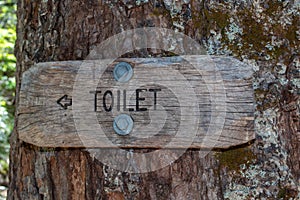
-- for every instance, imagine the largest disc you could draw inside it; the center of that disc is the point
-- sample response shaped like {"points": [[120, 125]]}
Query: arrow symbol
{"points": [[64, 101]]}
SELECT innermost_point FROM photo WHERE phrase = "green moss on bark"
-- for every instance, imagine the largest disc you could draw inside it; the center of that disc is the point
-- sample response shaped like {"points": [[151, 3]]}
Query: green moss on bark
{"points": [[233, 159]]}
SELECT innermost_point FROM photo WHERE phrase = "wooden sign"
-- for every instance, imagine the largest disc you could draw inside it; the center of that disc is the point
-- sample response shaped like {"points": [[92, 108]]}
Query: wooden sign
{"points": [[175, 102]]}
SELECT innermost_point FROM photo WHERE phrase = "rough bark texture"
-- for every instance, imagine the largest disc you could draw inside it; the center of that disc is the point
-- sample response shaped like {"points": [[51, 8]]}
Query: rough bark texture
{"points": [[264, 34]]}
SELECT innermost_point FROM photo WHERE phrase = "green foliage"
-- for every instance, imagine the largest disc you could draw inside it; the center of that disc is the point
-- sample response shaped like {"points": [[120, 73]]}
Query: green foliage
{"points": [[7, 80]]}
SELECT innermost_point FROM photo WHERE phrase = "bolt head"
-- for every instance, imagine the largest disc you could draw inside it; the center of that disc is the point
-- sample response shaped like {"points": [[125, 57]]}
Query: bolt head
{"points": [[123, 72], [123, 124]]}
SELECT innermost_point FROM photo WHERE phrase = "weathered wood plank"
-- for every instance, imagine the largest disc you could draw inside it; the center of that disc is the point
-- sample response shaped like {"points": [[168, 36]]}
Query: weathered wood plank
{"points": [[222, 117]]}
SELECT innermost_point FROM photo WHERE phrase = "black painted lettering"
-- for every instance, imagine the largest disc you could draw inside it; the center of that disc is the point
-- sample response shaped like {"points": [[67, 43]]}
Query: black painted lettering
{"points": [[118, 100], [155, 96], [138, 99], [124, 103], [108, 92], [95, 99], [124, 100]]}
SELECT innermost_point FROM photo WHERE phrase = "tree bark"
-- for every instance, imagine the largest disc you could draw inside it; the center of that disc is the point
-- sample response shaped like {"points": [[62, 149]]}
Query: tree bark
{"points": [[268, 168]]}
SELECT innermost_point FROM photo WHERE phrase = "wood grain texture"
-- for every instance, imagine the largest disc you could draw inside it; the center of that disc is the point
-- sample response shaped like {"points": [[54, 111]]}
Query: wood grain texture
{"points": [[43, 122]]}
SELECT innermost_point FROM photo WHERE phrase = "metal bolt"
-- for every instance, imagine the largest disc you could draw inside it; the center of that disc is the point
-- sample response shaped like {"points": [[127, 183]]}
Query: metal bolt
{"points": [[123, 72], [123, 124]]}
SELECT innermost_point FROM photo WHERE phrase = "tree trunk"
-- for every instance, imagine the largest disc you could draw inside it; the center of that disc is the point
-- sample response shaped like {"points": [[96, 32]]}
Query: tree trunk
{"points": [[263, 34]]}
